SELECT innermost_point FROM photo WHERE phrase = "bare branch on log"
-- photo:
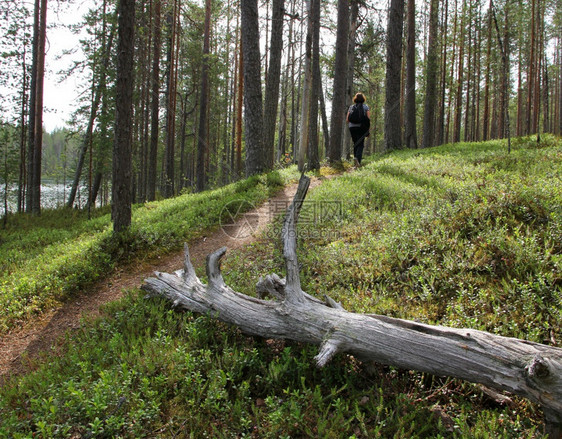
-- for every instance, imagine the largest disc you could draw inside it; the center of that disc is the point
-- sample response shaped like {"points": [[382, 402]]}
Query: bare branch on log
{"points": [[528, 369], [293, 289]]}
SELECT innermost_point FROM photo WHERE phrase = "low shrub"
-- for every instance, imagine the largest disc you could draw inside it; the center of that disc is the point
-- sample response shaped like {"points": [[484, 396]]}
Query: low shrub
{"points": [[45, 259], [459, 235]]}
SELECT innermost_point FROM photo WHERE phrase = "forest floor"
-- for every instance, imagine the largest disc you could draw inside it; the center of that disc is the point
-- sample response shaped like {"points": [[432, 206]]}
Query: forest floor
{"points": [[22, 345]]}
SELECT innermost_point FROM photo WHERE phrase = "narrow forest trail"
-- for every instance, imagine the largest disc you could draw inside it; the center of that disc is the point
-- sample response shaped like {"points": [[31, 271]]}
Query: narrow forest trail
{"points": [[43, 333]]}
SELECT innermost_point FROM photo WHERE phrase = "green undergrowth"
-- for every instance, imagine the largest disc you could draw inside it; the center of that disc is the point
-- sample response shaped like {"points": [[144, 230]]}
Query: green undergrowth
{"points": [[461, 235], [43, 260], [145, 370]]}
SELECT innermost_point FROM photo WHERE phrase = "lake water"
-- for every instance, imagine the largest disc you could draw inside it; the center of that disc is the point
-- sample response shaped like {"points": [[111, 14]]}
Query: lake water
{"points": [[53, 195]]}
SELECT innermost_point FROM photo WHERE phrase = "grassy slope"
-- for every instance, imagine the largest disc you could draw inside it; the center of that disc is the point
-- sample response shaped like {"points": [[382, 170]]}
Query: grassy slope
{"points": [[43, 260], [461, 235]]}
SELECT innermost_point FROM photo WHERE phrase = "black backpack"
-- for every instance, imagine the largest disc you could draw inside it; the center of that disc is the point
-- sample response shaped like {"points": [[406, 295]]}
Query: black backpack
{"points": [[357, 114]]}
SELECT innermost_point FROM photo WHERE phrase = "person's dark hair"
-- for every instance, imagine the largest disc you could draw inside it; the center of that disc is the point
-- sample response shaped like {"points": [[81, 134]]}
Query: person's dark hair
{"points": [[359, 98]]}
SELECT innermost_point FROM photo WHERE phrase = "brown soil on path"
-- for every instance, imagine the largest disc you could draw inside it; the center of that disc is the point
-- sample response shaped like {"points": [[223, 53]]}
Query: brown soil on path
{"points": [[41, 334]]}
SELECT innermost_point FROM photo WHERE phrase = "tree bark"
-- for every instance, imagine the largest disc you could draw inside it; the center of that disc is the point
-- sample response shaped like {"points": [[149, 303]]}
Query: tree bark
{"points": [[531, 370], [443, 99], [559, 122], [122, 147], [467, 105], [324, 117], [486, 117], [392, 116], [313, 144], [37, 153], [202, 137], [339, 108], [253, 110], [155, 103], [504, 82], [519, 124], [143, 110], [410, 134], [239, 106], [537, 69], [505, 72], [430, 102], [33, 196], [306, 92], [171, 89], [273, 80], [531, 73], [460, 77], [347, 146], [545, 97], [22, 164]]}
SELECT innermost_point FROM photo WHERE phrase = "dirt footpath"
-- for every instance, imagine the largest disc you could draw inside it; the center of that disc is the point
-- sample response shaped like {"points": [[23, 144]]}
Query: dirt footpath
{"points": [[42, 333]]}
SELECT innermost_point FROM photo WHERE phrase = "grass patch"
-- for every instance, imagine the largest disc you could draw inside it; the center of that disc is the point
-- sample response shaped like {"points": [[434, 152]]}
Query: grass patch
{"points": [[452, 235], [44, 260], [461, 235], [145, 370]]}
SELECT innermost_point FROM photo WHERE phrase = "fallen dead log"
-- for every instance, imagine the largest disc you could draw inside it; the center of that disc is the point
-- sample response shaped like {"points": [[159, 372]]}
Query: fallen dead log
{"points": [[525, 368]]}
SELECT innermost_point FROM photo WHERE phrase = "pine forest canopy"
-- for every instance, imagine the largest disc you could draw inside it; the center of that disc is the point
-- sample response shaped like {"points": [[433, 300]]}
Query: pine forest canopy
{"points": [[227, 88]]}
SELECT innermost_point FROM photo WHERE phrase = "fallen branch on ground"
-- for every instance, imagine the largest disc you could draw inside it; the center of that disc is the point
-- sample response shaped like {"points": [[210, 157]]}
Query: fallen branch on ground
{"points": [[528, 369]]}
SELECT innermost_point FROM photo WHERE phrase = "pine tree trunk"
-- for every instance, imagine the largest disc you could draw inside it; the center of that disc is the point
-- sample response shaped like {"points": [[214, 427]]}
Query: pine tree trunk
{"points": [[560, 84], [98, 177], [36, 109], [253, 105], [468, 76], [228, 99], [323, 115], [486, 117], [202, 132], [538, 68], [393, 113], [460, 78], [531, 73], [306, 92], [313, 144], [477, 76], [410, 134], [236, 56], [339, 108], [442, 107], [143, 56], [37, 152], [171, 89], [239, 107], [155, 102], [22, 165], [273, 79], [32, 107], [350, 86], [287, 89], [432, 66], [504, 83], [545, 98], [122, 147], [519, 127]]}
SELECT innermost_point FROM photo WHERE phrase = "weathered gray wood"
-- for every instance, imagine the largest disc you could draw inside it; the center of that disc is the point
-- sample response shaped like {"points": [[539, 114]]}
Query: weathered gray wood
{"points": [[525, 368]]}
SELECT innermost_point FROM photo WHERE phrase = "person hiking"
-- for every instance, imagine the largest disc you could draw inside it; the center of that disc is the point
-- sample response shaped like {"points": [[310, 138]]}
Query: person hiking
{"points": [[358, 118]]}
